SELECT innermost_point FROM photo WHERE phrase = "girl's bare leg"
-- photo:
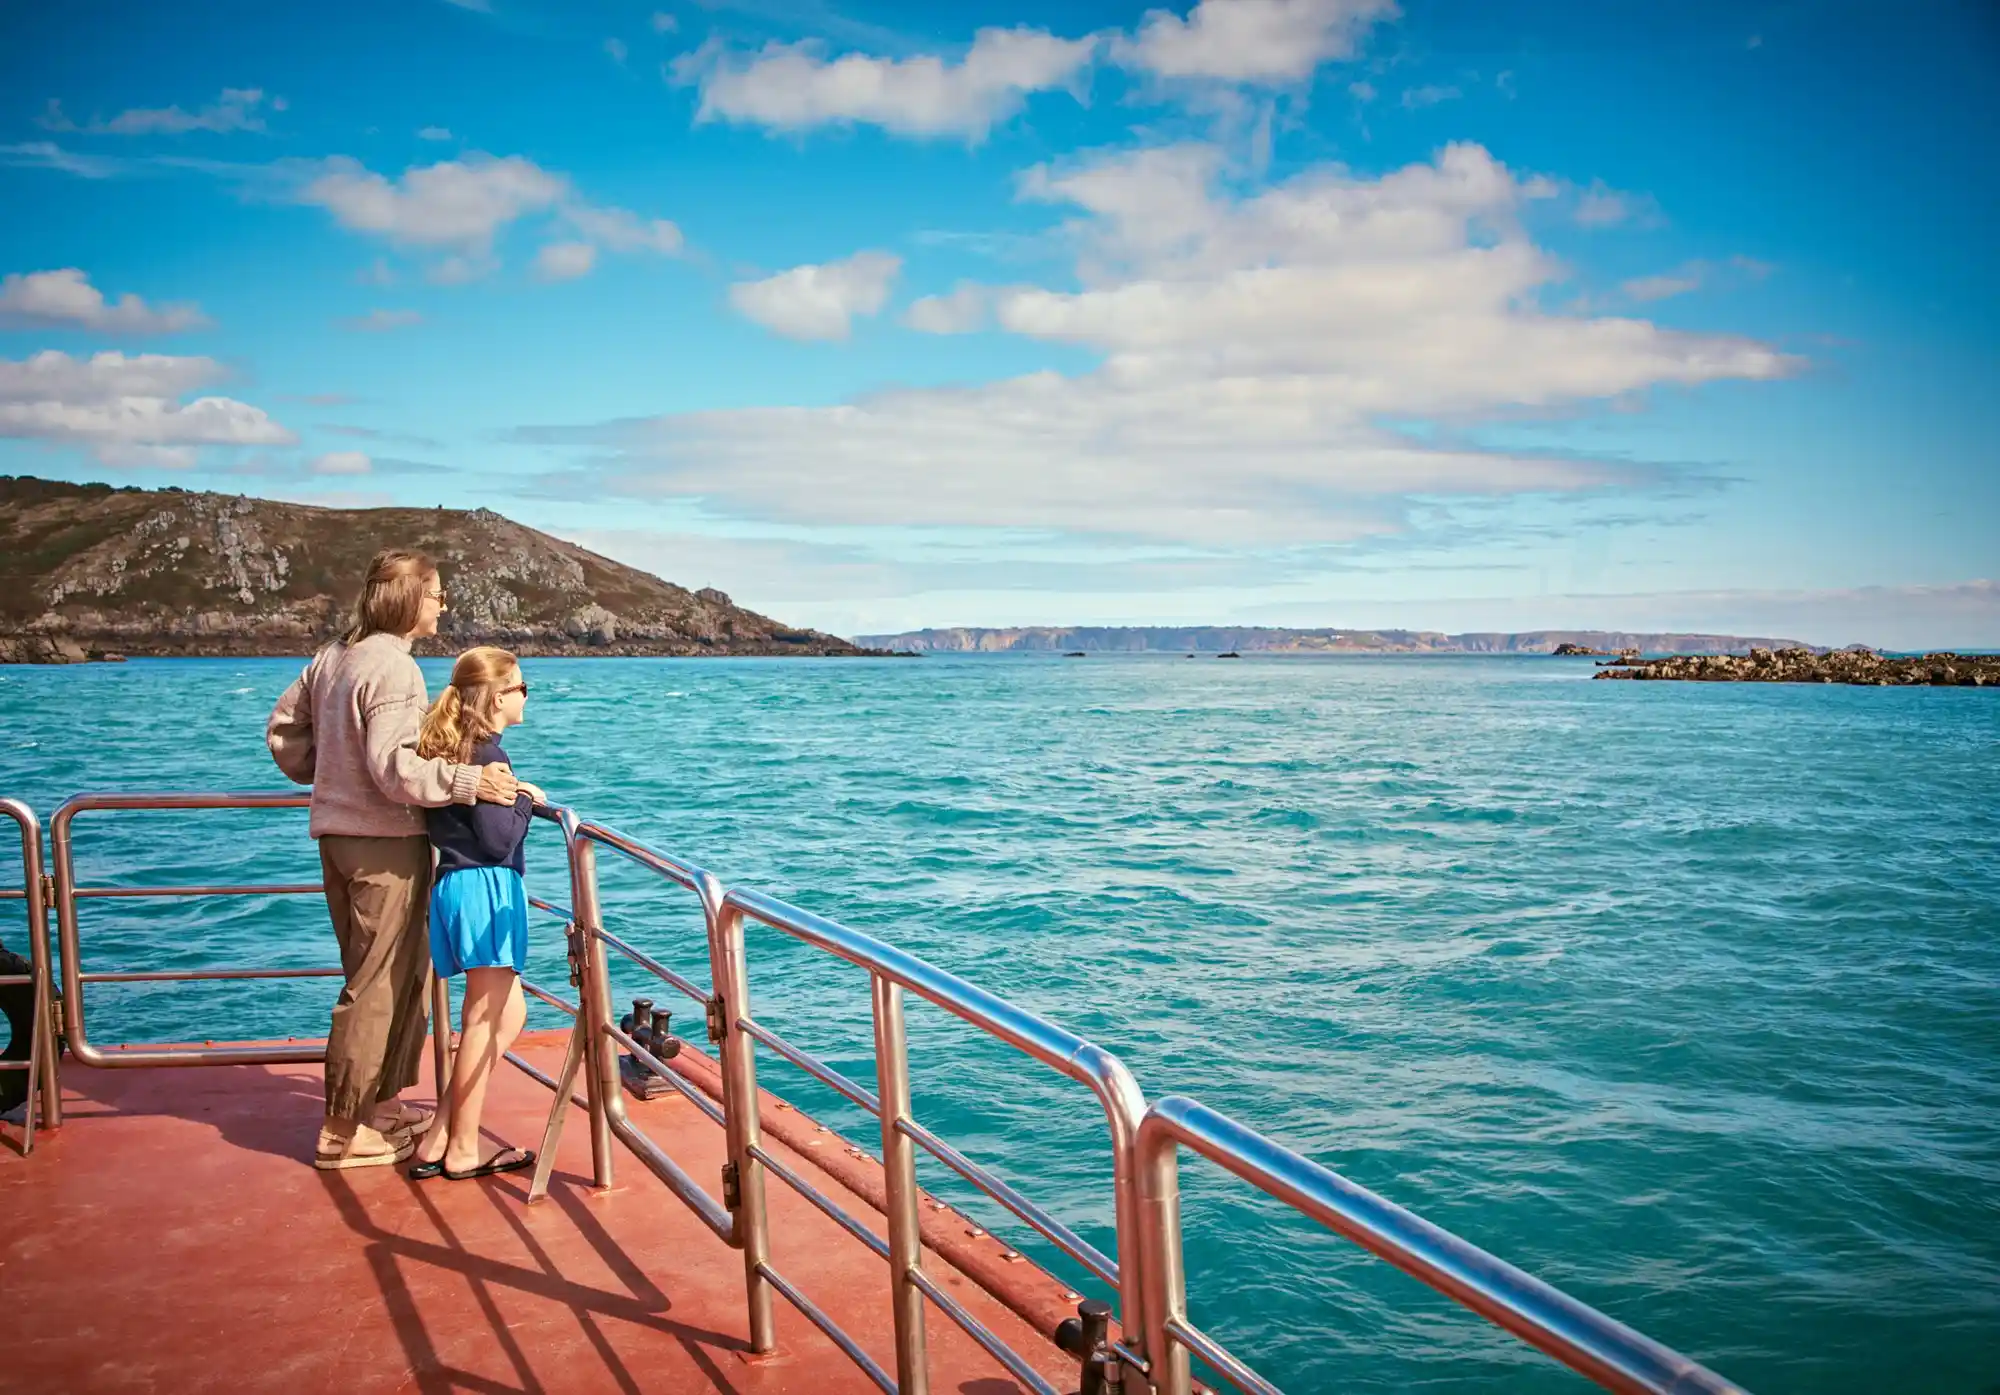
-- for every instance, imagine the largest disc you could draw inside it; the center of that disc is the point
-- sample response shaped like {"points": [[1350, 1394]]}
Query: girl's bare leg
{"points": [[492, 1017]]}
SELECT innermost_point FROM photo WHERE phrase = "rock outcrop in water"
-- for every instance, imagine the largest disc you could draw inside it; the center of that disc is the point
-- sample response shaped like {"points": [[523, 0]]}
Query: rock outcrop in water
{"points": [[88, 569], [1859, 666]]}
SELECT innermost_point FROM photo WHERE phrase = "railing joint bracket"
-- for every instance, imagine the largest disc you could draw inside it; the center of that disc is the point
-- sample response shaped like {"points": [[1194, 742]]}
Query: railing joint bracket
{"points": [[717, 1018]]}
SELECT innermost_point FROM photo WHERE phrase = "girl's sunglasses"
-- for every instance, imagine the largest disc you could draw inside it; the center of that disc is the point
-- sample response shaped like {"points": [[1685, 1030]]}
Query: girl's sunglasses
{"points": [[521, 688]]}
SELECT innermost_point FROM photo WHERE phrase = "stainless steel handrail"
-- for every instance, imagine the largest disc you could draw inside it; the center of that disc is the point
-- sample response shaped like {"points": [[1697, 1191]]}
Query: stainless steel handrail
{"points": [[891, 971], [67, 893], [1065, 1239], [1604, 1350], [739, 1220], [44, 1088]]}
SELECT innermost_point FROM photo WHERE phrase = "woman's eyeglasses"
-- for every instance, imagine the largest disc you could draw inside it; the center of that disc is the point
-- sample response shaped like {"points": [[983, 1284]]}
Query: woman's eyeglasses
{"points": [[437, 596], [521, 688]]}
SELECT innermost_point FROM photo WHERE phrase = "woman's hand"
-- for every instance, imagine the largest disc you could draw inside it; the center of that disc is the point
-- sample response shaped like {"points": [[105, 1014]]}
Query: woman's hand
{"points": [[497, 784], [534, 792]]}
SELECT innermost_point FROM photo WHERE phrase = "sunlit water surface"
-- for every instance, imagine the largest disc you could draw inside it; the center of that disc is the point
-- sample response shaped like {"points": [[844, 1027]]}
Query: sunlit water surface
{"points": [[1682, 997]]}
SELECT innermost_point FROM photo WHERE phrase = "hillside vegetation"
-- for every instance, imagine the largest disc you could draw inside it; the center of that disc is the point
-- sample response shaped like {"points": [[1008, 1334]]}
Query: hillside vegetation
{"points": [[90, 568]]}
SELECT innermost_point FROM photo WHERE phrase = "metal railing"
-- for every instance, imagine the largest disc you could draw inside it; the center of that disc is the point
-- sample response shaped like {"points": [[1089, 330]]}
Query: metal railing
{"points": [[66, 894], [44, 1089], [891, 971], [1147, 1271], [69, 936], [738, 1219], [1593, 1345]]}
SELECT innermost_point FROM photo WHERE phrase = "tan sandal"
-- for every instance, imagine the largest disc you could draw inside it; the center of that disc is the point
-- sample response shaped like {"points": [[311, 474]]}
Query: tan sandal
{"points": [[368, 1147], [412, 1121]]}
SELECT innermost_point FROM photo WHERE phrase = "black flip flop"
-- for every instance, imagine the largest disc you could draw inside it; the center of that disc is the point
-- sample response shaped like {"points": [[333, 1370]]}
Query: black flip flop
{"points": [[423, 1172], [493, 1166]]}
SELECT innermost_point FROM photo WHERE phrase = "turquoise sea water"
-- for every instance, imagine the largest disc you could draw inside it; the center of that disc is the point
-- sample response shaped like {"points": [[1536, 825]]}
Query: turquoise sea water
{"points": [[1684, 997]]}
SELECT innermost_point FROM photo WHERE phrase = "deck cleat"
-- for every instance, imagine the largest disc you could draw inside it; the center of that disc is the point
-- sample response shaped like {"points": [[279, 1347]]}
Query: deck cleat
{"points": [[651, 1028]]}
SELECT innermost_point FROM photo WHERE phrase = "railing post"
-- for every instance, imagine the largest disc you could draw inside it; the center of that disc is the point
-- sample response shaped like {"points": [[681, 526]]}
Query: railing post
{"points": [[1124, 1107], [44, 1085], [1163, 1278], [593, 1007], [730, 975], [68, 950], [441, 1049], [899, 1172]]}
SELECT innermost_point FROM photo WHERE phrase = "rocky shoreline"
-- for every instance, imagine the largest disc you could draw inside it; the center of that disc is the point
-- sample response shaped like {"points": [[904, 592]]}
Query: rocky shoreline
{"points": [[64, 649], [88, 572], [1862, 667]]}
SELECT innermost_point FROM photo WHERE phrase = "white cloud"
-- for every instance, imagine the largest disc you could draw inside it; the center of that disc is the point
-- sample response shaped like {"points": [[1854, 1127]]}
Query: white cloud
{"points": [[43, 154], [961, 312], [54, 376], [1690, 276], [664, 23], [1363, 92], [457, 271], [342, 462], [463, 205], [1602, 207], [459, 204], [1428, 96], [381, 321], [624, 231], [66, 299], [565, 261], [1916, 617], [792, 87], [434, 133], [819, 302], [1269, 42], [1645, 288], [235, 110], [1251, 349], [125, 409], [616, 49]]}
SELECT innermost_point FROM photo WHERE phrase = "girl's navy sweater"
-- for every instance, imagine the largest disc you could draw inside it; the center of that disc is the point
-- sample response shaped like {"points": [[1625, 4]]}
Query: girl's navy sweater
{"points": [[482, 834]]}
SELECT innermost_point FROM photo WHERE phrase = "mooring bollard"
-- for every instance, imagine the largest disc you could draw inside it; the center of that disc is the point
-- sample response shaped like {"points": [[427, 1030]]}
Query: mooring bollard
{"points": [[652, 1029], [1087, 1337]]}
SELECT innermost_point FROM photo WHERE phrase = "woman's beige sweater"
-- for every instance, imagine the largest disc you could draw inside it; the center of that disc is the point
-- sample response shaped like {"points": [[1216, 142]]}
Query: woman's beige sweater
{"points": [[348, 727]]}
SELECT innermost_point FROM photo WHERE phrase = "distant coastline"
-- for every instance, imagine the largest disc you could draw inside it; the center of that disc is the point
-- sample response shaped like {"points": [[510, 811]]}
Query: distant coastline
{"points": [[1261, 639]]}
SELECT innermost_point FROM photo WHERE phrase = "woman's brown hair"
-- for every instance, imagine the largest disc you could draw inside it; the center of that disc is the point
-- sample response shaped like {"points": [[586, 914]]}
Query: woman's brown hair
{"points": [[462, 716], [392, 597]]}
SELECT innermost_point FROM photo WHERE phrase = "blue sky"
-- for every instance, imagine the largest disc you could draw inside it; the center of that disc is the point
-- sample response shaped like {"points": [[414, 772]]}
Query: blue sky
{"points": [[1309, 312]]}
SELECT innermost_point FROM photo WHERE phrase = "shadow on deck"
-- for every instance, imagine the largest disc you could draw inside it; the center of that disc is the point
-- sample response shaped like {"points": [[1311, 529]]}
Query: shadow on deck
{"points": [[173, 1236]]}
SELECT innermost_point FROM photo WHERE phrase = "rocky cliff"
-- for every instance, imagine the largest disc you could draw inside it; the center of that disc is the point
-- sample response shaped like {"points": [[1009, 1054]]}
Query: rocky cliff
{"points": [[88, 569], [1136, 639]]}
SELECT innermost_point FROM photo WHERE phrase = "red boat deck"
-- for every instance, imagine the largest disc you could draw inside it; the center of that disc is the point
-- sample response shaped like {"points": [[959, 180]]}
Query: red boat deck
{"points": [[173, 1237]]}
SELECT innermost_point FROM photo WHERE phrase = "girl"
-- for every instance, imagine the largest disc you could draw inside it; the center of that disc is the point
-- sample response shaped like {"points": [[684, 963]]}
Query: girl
{"points": [[479, 908]]}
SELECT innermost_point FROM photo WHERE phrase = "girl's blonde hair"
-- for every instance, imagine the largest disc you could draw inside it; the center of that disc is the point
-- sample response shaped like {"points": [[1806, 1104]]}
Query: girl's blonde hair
{"points": [[462, 716], [392, 596]]}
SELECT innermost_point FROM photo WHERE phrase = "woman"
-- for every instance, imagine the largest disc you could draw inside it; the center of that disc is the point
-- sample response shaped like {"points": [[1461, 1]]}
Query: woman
{"points": [[479, 907], [348, 727]]}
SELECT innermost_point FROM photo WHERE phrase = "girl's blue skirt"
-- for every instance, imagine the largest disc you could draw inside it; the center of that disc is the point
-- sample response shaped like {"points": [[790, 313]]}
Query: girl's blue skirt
{"points": [[479, 920]]}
